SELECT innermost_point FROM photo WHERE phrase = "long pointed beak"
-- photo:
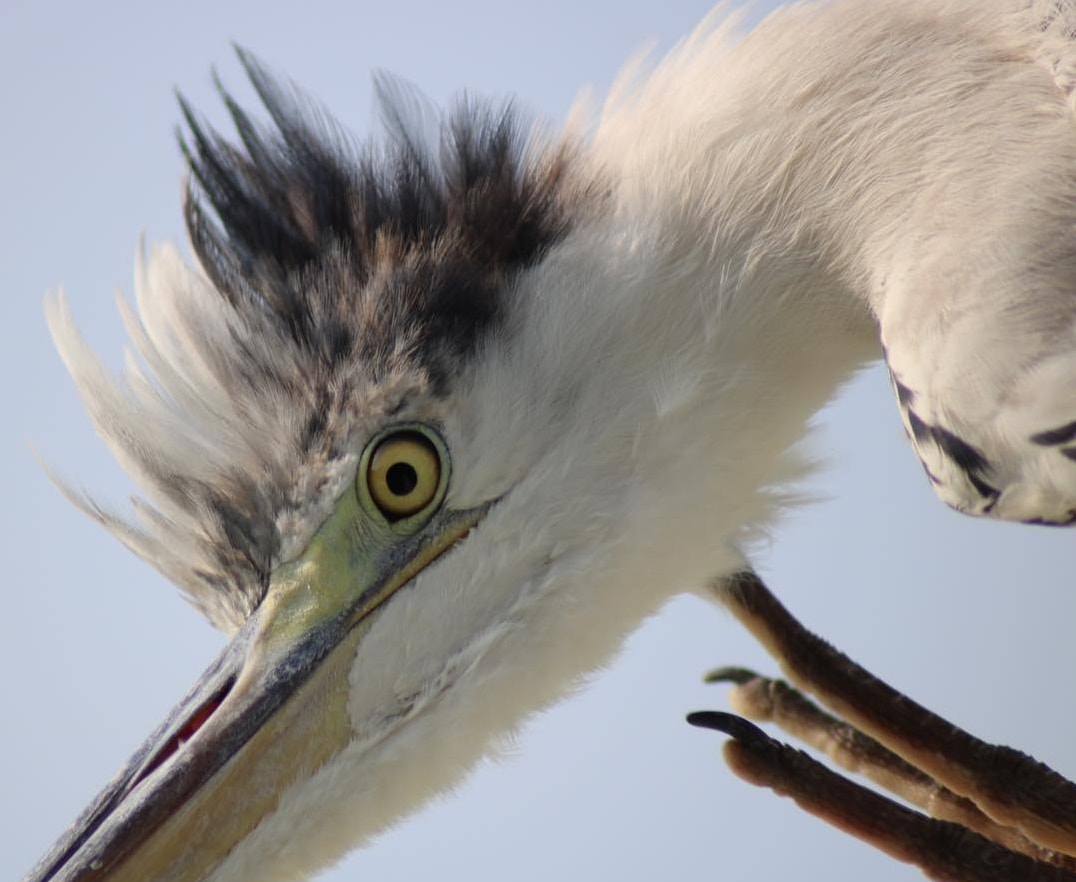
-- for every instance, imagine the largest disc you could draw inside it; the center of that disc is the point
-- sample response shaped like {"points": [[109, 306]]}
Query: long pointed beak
{"points": [[269, 711]]}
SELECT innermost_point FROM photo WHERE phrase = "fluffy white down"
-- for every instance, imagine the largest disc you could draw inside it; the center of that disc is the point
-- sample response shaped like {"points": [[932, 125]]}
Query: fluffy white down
{"points": [[774, 196]]}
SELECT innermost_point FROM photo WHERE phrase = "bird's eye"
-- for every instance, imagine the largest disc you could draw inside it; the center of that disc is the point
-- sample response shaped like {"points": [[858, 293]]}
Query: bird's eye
{"points": [[403, 474]]}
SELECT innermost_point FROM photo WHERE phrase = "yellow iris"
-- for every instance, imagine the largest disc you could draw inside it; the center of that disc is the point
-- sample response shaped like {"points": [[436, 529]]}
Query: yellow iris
{"points": [[403, 474]]}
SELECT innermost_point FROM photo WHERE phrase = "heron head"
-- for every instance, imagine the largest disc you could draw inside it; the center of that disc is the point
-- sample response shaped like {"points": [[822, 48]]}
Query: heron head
{"points": [[423, 433], [336, 432]]}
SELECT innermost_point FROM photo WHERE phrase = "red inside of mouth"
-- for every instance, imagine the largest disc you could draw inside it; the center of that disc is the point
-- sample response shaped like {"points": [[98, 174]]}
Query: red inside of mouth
{"points": [[187, 731]]}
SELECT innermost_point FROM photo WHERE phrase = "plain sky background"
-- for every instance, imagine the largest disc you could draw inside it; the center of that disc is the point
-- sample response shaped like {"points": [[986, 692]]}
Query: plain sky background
{"points": [[974, 619]]}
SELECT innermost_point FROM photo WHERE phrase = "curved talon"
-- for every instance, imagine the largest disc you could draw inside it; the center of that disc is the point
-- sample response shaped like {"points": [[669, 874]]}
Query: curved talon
{"points": [[735, 727], [731, 674], [943, 850]]}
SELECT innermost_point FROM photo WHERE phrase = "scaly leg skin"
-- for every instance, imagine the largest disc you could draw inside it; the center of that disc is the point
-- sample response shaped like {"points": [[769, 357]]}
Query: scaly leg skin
{"points": [[765, 700], [944, 851], [1009, 797]]}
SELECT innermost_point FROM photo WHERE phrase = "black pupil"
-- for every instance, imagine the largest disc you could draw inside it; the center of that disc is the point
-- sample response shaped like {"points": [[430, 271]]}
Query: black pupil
{"points": [[401, 478]]}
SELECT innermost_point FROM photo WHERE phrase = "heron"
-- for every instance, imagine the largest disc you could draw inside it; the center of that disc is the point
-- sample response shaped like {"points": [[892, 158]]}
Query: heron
{"points": [[587, 361]]}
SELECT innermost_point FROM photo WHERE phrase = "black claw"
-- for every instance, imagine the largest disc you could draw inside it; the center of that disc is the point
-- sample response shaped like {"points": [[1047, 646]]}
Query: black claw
{"points": [[739, 676], [730, 724]]}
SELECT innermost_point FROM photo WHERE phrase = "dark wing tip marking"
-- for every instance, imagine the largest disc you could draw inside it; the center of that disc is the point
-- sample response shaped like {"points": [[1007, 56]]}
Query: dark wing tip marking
{"points": [[905, 396], [920, 430], [969, 459], [988, 491], [1053, 437], [1070, 520]]}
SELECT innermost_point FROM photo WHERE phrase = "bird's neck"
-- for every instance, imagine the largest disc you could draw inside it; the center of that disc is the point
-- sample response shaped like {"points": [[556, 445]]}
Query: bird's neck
{"points": [[697, 323]]}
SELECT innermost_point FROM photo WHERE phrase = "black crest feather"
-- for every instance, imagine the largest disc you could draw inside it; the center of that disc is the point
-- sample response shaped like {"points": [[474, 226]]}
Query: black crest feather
{"points": [[297, 221]]}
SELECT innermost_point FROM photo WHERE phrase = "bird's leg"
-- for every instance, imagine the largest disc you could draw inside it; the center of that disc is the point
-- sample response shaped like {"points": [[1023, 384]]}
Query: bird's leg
{"points": [[944, 851], [1011, 788], [767, 700]]}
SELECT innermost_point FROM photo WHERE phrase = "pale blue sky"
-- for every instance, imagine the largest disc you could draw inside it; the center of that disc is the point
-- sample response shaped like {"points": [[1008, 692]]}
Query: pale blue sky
{"points": [[974, 619]]}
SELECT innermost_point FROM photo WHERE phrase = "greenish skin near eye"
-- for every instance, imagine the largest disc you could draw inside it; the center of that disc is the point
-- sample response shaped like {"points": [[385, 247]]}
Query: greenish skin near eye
{"points": [[403, 475]]}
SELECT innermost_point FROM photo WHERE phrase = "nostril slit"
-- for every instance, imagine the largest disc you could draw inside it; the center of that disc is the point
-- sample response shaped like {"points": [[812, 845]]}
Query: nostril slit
{"points": [[187, 731]]}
